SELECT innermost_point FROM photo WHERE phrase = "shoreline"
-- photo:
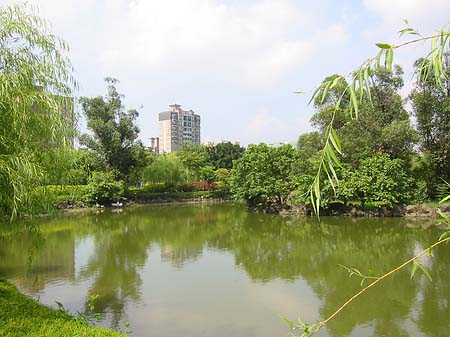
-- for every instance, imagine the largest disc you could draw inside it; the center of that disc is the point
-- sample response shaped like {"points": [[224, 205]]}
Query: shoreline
{"points": [[21, 315]]}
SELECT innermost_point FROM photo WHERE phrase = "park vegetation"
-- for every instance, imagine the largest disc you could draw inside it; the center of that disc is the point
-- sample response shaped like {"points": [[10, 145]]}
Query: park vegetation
{"points": [[384, 159], [23, 316]]}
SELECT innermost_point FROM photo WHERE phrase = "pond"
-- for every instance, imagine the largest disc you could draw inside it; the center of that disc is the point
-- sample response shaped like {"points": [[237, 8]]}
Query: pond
{"points": [[218, 270]]}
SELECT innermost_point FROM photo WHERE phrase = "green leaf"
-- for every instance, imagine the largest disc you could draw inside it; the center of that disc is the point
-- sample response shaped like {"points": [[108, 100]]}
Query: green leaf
{"points": [[444, 216], [332, 154], [314, 94], [290, 323], [383, 45], [335, 140], [413, 269], [424, 270], [333, 171], [389, 58], [444, 235], [445, 199], [353, 100]]}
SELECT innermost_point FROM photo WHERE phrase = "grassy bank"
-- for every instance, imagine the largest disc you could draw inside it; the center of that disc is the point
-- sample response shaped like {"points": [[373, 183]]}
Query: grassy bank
{"points": [[23, 316]]}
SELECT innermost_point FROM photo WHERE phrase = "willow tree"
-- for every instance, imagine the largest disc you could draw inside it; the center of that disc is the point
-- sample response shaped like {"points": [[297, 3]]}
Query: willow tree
{"points": [[34, 74]]}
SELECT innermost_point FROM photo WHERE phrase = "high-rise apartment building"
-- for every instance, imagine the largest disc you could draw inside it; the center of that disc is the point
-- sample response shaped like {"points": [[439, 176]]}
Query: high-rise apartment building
{"points": [[176, 127]]}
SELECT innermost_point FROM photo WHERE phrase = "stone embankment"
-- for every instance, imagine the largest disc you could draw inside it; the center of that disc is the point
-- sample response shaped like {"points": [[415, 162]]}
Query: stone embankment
{"points": [[410, 211]]}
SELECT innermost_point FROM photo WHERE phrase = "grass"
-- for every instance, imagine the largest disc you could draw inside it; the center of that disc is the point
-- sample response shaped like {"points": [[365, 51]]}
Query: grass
{"points": [[23, 316]]}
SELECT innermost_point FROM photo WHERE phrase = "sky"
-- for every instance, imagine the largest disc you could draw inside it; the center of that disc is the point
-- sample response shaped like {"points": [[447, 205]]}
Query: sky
{"points": [[237, 63]]}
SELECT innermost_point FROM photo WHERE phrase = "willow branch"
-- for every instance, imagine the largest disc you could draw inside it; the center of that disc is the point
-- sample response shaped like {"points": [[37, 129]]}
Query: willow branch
{"points": [[381, 278]]}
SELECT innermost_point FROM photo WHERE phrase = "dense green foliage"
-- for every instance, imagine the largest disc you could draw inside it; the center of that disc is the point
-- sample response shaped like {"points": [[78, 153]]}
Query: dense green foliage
{"points": [[379, 163], [377, 179], [223, 154], [167, 169], [114, 132], [22, 316], [431, 107], [383, 124], [264, 174], [34, 76], [102, 188]]}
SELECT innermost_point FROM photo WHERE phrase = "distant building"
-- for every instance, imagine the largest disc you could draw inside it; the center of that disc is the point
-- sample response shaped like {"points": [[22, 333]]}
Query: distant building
{"points": [[154, 144], [177, 127]]}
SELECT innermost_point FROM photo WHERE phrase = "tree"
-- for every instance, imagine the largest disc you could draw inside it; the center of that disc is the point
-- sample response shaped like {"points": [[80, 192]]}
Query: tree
{"points": [[264, 175], [167, 169], [377, 179], [383, 124], [33, 73], [193, 158], [223, 154], [114, 131], [432, 67], [431, 107]]}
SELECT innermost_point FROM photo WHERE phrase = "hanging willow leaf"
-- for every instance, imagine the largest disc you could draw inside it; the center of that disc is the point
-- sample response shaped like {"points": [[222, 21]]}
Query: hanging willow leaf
{"points": [[389, 58], [383, 45], [413, 269], [359, 89], [424, 270], [354, 101], [33, 73], [335, 140]]}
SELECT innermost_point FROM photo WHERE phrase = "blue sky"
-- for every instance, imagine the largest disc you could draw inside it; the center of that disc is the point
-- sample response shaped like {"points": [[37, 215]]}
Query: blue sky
{"points": [[236, 63]]}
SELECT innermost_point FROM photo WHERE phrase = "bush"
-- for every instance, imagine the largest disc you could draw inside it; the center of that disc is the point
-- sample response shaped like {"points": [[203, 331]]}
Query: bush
{"points": [[103, 188], [155, 188], [69, 193], [377, 179]]}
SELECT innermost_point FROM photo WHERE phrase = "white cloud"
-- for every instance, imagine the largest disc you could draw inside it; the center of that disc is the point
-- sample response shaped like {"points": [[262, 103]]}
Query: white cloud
{"points": [[249, 43], [264, 124], [417, 11]]}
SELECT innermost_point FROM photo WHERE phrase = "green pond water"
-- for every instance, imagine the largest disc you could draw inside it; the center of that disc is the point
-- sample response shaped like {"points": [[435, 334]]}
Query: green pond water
{"points": [[219, 270]]}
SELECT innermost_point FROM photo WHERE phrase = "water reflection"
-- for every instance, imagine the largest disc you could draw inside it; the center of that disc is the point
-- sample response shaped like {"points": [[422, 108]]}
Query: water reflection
{"points": [[124, 258]]}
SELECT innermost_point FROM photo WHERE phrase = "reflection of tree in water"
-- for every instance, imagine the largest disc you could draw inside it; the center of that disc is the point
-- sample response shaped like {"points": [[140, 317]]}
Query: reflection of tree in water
{"points": [[178, 257], [31, 259], [434, 317], [267, 247], [271, 247], [122, 242], [120, 251]]}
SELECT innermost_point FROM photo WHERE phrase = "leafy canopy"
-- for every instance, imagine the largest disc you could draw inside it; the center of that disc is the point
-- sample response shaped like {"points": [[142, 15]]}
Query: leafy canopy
{"points": [[34, 74], [264, 174], [114, 135]]}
